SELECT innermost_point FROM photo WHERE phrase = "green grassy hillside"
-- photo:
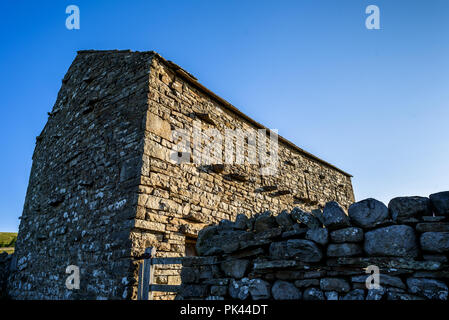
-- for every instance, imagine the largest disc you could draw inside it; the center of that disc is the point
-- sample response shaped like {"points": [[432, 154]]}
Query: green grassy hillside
{"points": [[7, 241]]}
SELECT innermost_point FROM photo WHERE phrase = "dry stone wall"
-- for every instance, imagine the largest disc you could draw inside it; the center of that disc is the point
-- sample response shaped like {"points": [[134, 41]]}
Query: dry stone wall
{"points": [[324, 255]]}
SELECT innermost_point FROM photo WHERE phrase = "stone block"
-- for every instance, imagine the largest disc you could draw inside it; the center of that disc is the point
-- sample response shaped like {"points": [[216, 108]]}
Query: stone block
{"points": [[409, 207], [368, 213], [334, 284], [318, 235], [351, 234], [397, 240], [429, 288], [435, 241], [440, 203], [311, 294], [343, 250], [283, 290], [334, 217]]}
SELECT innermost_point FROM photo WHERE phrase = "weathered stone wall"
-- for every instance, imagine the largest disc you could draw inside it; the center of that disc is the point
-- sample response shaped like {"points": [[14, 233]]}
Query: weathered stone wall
{"points": [[102, 188], [5, 264], [177, 200], [83, 187], [323, 255]]}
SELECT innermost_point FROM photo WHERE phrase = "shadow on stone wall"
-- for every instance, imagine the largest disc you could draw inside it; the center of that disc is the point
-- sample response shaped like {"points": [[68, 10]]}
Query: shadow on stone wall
{"points": [[5, 264]]}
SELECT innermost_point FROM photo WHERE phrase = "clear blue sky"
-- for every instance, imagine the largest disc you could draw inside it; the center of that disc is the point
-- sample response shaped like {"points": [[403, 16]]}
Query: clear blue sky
{"points": [[373, 102]]}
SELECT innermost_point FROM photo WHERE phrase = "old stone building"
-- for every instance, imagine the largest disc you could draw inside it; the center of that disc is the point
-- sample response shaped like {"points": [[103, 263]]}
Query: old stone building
{"points": [[104, 186]]}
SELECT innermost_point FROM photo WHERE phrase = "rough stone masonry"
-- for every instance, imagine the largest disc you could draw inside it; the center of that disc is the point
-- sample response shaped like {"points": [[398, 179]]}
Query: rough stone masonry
{"points": [[325, 255], [102, 187]]}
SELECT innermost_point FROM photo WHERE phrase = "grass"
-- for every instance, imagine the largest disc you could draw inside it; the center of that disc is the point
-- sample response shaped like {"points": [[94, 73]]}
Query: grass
{"points": [[7, 239], [7, 250]]}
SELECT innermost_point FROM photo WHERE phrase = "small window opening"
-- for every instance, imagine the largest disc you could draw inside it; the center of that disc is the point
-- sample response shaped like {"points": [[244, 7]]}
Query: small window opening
{"points": [[190, 247]]}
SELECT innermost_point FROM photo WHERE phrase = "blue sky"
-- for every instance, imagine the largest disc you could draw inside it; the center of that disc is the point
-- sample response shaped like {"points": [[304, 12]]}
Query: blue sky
{"points": [[373, 102]]}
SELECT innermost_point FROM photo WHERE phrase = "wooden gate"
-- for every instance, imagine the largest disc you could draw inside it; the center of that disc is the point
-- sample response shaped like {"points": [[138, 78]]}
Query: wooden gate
{"points": [[146, 287]]}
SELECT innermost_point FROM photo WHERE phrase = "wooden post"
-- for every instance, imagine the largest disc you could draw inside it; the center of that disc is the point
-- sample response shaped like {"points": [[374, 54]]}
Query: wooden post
{"points": [[146, 275], [152, 253], [140, 282]]}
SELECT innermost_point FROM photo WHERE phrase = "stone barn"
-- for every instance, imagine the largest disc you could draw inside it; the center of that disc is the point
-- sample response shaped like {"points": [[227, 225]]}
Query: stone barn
{"points": [[104, 183]]}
